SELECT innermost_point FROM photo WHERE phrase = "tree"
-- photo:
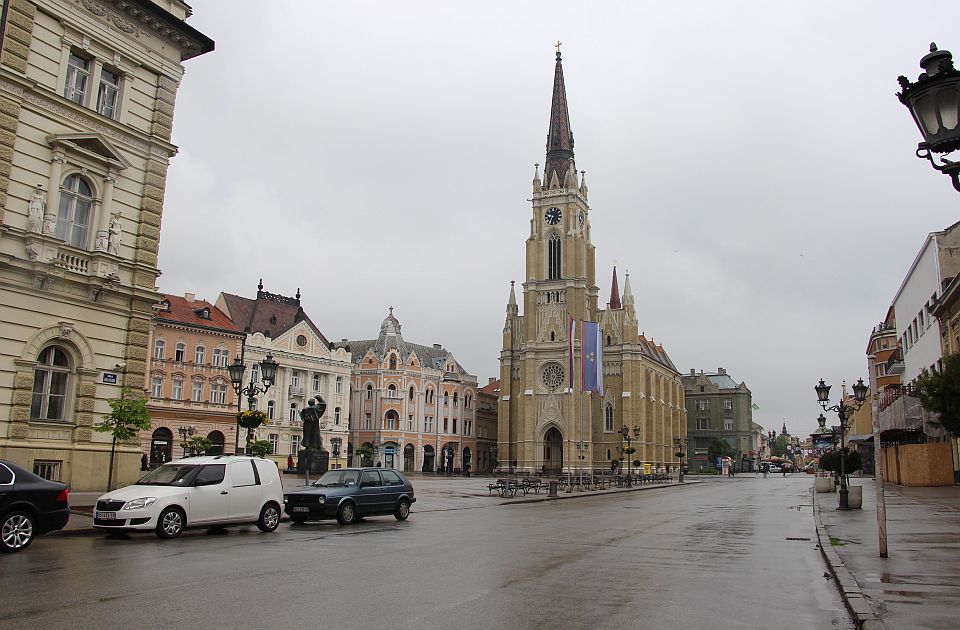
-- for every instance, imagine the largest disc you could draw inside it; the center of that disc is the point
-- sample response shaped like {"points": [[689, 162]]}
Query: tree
{"points": [[718, 448], [365, 454], [261, 448], [779, 447], [851, 461], [128, 415], [940, 392], [198, 445]]}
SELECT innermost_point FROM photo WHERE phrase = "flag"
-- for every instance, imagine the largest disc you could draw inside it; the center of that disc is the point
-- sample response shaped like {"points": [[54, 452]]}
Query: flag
{"points": [[571, 330], [592, 366]]}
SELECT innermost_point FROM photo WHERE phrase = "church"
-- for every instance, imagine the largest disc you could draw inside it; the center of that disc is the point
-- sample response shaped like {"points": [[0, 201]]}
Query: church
{"points": [[546, 421]]}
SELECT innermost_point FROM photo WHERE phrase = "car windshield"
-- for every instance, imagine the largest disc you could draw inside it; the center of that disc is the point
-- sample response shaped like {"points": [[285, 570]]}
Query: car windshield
{"points": [[335, 478], [168, 475]]}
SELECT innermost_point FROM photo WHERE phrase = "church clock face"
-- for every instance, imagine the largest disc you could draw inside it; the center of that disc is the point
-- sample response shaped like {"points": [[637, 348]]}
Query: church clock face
{"points": [[552, 216]]}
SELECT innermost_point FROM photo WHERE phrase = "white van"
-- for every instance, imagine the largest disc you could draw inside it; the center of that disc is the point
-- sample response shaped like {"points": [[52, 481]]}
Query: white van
{"points": [[211, 491]]}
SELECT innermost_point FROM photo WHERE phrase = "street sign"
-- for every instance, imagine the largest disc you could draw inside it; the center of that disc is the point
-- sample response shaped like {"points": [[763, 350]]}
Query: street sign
{"points": [[109, 378]]}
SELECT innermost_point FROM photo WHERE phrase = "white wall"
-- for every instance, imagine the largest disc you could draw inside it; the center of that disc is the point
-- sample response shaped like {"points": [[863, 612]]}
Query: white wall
{"points": [[921, 283]]}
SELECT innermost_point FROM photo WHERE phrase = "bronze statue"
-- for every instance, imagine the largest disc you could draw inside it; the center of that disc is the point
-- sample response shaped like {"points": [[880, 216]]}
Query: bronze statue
{"points": [[311, 422]]}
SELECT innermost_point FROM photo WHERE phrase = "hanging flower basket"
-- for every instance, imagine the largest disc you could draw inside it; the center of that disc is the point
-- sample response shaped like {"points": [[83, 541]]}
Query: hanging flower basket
{"points": [[629, 450], [251, 419]]}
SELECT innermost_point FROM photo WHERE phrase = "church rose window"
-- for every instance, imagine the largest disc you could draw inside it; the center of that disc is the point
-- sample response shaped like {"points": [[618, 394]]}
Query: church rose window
{"points": [[552, 376]]}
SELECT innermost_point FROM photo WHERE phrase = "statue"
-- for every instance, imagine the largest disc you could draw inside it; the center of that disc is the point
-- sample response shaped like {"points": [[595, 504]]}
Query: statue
{"points": [[36, 207], [311, 423], [113, 244]]}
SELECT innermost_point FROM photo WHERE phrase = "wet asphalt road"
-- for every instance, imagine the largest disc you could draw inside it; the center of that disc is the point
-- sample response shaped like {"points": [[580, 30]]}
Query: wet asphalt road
{"points": [[725, 553]]}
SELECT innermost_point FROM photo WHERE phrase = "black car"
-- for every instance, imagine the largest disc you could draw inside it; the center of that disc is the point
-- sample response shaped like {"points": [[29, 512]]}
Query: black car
{"points": [[349, 494], [29, 506]]}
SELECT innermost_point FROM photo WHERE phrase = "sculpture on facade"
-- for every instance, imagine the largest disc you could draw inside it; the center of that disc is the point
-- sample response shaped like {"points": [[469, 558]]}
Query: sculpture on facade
{"points": [[49, 222], [113, 244], [36, 207], [311, 423]]}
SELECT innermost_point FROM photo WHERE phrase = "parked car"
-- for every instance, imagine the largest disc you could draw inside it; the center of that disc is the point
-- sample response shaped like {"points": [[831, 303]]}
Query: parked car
{"points": [[349, 494], [29, 506], [211, 491], [774, 468]]}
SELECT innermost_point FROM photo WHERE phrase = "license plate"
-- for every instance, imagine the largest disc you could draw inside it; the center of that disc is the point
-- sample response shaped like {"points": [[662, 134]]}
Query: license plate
{"points": [[107, 516], [299, 508]]}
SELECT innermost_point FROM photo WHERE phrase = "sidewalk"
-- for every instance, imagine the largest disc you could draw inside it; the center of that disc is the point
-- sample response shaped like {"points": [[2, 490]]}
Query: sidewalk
{"points": [[918, 585]]}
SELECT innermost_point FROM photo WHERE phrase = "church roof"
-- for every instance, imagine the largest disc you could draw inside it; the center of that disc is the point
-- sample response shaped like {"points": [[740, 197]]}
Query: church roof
{"points": [[614, 302], [559, 136]]}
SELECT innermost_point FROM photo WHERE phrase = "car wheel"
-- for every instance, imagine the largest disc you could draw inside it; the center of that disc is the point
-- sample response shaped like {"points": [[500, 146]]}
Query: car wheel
{"points": [[16, 531], [269, 518], [347, 513], [171, 523], [299, 519], [403, 510]]}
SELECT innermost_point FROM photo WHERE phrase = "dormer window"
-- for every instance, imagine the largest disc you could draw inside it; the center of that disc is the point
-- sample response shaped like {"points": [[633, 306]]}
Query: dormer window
{"points": [[165, 306], [273, 319], [204, 312]]}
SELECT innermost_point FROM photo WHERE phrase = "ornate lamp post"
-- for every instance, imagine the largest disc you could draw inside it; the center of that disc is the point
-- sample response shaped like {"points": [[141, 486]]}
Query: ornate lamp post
{"points": [[186, 432], [844, 411], [934, 103], [494, 450], [678, 445], [268, 374]]}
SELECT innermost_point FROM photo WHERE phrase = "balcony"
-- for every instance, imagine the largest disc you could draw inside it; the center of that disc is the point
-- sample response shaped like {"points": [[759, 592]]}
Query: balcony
{"points": [[295, 391], [895, 363]]}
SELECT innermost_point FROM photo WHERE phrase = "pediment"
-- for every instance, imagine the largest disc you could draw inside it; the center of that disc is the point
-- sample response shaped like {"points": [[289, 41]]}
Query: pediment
{"points": [[90, 144]]}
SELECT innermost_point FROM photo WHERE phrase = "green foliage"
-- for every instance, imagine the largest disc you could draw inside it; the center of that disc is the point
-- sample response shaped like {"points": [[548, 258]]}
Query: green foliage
{"points": [[198, 444], [718, 448], [940, 392], [779, 446], [365, 453], [128, 415], [851, 461], [261, 448]]}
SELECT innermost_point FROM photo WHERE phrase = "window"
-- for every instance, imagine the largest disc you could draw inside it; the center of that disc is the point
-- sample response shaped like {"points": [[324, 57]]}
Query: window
{"points": [[6, 476], [178, 389], [78, 75], [255, 373], [393, 361], [50, 385], [446, 398], [454, 399], [293, 412], [370, 478], [220, 356], [108, 92], [181, 350], [339, 384], [429, 396], [428, 424], [369, 391], [703, 424], [294, 444], [390, 478], [367, 421], [553, 257], [274, 442], [336, 416], [410, 423], [728, 403], [200, 355], [295, 378], [218, 393], [73, 220], [197, 391], [49, 470], [156, 387], [608, 418], [158, 348], [391, 391], [468, 402], [446, 425], [241, 472], [316, 382], [210, 475], [703, 405], [728, 424], [270, 408]]}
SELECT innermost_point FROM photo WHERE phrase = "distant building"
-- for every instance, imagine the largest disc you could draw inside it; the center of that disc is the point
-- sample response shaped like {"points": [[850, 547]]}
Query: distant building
{"points": [[718, 407], [87, 93], [487, 397], [188, 387], [309, 366], [413, 406]]}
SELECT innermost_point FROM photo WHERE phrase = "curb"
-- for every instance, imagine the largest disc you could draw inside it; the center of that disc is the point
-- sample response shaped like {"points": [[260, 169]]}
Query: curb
{"points": [[93, 531], [858, 606]]}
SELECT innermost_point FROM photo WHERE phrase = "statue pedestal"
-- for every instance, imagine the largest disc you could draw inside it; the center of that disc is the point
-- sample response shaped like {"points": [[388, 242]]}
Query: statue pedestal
{"points": [[313, 460]]}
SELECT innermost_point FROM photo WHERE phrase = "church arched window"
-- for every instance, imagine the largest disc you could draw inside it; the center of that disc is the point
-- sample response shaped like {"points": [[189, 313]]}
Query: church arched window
{"points": [[608, 418], [553, 257]]}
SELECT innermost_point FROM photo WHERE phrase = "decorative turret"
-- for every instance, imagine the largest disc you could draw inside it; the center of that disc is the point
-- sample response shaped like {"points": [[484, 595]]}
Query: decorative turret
{"points": [[627, 291], [512, 309], [614, 303], [583, 183], [559, 136], [537, 186]]}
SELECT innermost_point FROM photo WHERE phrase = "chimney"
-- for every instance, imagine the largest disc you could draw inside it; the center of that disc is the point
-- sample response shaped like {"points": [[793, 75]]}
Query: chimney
{"points": [[693, 372], [721, 371], [189, 297], [491, 379], [344, 340], [437, 346]]}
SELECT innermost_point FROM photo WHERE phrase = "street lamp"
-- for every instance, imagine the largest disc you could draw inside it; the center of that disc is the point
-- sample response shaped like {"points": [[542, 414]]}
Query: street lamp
{"points": [[934, 103], [185, 433], [494, 450], [678, 444], [268, 374], [844, 411]]}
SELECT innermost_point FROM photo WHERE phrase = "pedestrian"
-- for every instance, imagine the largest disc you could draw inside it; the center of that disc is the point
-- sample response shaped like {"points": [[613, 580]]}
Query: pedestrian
{"points": [[289, 462], [143, 461]]}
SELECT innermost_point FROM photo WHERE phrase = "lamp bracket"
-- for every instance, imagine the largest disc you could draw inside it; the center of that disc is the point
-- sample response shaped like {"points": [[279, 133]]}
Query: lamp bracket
{"points": [[945, 166]]}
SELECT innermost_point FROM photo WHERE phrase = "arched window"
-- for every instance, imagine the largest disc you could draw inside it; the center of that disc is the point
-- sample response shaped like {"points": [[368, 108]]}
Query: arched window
{"points": [[412, 393], [293, 412], [454, 399], [50, 378], [608, 340], [391, 391], [393, 361], [180, 352], [553, 257], [608, 418], [336, 416], [429, 396], [200, 355], [270, 408], [76, 203], [608, 454], [446, 398], [158, 349], [216, 443], [552, 336], [369, 391]]}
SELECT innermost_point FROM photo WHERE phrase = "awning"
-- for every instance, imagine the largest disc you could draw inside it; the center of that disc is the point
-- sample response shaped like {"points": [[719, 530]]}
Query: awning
{"points": [[866, 437]]}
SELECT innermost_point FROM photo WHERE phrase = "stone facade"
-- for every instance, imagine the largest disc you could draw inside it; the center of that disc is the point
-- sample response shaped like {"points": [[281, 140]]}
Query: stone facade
{"points": [[719, 407], [543, 423], [86, 105], [413, 405]]}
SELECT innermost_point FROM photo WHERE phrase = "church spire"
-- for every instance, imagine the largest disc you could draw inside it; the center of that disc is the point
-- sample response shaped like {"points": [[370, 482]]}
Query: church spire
{"points": [[559, 137], [512, 304], [614, 303], [627, 291]]}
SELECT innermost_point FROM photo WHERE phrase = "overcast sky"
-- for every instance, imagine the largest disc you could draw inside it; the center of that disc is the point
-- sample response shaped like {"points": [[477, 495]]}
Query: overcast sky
{"points": [[748, 163]]}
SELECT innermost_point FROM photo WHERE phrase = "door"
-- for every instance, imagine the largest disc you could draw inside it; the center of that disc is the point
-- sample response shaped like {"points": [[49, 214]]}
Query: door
{"points": [[553, 452], [392, 488], [245, 492], [408, 458], [369, 496], [209, 497]]}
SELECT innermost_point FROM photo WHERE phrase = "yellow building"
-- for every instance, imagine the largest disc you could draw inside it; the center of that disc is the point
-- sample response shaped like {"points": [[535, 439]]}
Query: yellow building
{"points": [[543, 423], [87, 92]]}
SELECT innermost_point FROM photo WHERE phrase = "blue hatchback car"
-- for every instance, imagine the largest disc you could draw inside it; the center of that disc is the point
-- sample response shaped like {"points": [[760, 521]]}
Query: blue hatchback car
{"points": [[349, 494]]}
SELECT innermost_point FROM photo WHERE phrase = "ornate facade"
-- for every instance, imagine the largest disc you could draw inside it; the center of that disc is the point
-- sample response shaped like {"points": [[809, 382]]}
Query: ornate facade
{"points": [[543, 423], [309, 366], [413, 405], [87, 92]]}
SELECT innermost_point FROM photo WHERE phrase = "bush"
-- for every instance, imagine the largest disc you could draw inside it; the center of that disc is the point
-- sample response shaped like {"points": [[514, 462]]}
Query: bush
{"points": [[851, 461]]}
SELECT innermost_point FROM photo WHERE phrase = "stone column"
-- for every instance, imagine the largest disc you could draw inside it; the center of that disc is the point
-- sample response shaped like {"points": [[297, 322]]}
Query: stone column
{"points": [[53, 191]]}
